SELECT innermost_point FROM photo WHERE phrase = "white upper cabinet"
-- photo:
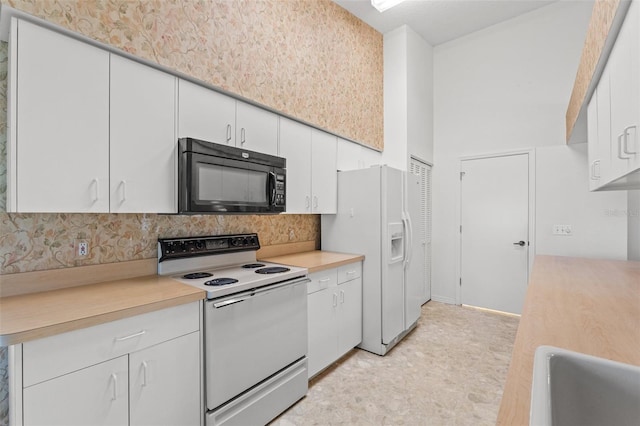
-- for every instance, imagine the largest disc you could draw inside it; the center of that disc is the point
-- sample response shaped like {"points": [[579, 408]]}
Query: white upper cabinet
{"points": [[311, 168], [599, 133], [295, 146], [324, 178], [143, 138], [352, 156], [624, 64], [205, 114], [58, 146], [256, 129], [613, 114]]}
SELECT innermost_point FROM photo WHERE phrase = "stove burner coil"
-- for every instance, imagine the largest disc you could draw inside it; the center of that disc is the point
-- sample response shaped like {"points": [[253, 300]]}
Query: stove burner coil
{"points": [[221, 281], [253, 265], [272, 270], [197, 275]]}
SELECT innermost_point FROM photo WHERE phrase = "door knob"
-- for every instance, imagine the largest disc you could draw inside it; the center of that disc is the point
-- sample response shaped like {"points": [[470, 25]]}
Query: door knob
{"points": [[520, 243]]}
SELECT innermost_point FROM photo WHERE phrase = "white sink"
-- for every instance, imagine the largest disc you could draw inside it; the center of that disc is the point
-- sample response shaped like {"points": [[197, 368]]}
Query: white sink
{"points": [[571, 388]]}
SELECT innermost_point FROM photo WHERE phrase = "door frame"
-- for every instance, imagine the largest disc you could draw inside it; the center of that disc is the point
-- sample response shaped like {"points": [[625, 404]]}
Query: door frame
{"points": [[532, 209]]}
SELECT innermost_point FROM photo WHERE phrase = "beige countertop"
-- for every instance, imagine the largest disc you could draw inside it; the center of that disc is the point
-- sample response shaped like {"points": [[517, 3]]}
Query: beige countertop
{"points": [[316, 260], [584, 305], [41, 314]]}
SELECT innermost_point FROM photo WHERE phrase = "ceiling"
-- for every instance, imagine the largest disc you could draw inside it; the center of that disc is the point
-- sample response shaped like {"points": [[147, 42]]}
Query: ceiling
{"points": [[439, 21]]}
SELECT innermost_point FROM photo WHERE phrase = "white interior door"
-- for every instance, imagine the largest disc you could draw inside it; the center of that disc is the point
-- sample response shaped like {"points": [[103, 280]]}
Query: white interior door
{"points": [[495, 232]]}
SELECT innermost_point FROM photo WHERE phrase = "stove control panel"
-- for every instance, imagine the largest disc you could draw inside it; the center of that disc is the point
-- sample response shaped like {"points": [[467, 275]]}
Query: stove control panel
{"points": [[173, 248]]}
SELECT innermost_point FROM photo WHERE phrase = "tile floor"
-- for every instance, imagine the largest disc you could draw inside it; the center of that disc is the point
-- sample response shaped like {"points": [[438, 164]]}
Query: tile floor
{"points": [[449, 371]]}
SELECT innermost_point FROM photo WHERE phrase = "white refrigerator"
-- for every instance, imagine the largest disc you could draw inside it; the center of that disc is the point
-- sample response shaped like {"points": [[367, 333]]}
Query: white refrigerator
{"points": [[375, 211]]}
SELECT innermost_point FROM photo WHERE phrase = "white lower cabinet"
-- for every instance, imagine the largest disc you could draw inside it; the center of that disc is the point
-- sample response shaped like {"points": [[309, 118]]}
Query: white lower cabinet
{"points": [[164, 382], [92, 396], [334, 315], [143, 370]]}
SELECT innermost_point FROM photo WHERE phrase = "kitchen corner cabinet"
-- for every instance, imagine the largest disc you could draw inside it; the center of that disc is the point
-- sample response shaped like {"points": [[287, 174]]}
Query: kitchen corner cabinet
{"points": [[142, 139], [205, 114], [334, 315], [58, 129], [143, 370], [311, 168], [352, 156], [613, 113]]}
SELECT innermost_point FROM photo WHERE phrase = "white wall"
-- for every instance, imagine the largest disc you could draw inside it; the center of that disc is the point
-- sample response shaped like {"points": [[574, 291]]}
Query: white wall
{"points": [[408, 98], [599, 229], [503, 88], [395, 98], [419, 97]]}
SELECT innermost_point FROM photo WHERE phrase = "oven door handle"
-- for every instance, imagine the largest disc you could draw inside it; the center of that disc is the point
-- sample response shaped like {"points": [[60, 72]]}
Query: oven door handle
{"points": [[275, 287], [229, 302], [259, 292]]}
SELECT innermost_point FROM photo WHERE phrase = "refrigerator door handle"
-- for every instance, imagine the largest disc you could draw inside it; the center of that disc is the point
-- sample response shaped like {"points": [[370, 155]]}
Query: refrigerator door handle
{"points": [[406, 222], [410, 239]]}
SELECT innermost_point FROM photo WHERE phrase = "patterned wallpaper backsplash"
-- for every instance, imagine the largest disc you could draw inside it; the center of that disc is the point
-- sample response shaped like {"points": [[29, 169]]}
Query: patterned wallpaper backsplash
{"points": [[310, 59]]}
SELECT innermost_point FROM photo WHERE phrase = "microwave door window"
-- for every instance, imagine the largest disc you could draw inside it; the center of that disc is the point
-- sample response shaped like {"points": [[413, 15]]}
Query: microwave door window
{"points": [[230, 185]]}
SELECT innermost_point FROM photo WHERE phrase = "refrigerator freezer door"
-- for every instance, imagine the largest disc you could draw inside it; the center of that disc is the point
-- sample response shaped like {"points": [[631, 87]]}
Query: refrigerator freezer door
{"points": [[414, 267], [393, 297]]}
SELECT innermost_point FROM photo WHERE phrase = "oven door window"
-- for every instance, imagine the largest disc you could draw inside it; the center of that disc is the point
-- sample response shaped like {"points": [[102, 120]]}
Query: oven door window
{"points": [[230, 186]]}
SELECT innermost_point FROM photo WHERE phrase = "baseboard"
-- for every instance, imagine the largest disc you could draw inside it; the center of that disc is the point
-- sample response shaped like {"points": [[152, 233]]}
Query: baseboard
{"points": [[442, 299]]}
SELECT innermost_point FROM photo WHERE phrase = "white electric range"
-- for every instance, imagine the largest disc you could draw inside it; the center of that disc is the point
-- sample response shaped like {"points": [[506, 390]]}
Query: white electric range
{"points": [[255, 325]]}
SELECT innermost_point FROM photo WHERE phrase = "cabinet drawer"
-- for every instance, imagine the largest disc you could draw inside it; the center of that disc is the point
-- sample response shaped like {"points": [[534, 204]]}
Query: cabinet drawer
{"points": [[322, 279], [54, 356], [349, 272]]}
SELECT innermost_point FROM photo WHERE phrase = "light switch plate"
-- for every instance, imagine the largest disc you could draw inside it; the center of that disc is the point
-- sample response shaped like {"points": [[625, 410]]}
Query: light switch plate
{"points": [[564, 230]]}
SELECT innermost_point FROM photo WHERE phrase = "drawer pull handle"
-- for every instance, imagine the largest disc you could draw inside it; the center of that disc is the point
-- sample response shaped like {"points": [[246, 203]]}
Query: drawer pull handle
{"points": [[335, 300], [114, 379], [351, 272], [131, 336], [341, 296], [324, 280]]}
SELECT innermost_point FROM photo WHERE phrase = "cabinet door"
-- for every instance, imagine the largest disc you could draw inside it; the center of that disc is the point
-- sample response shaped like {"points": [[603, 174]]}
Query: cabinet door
{"points": [[205, 114], [164, 383], [97, 395], [295, 146], [350, 315], [256, 129], [143, 139], [625, 95], [324, 178], [348, 155], [593, 143], [322, 321], [60, 148]]}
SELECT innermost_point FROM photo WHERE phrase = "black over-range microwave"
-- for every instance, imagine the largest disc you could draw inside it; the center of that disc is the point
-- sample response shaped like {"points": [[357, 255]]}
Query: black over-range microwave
{"points": [[215, 178]]}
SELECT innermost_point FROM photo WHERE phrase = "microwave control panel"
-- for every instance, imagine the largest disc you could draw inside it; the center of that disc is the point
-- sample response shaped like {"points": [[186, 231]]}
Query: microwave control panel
{"points": [[280, 190]]}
